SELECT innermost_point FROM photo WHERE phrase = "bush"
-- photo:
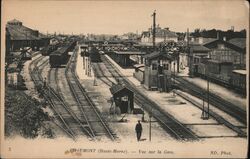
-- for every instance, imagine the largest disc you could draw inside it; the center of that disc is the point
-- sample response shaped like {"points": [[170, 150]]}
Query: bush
{"points": [[23, 114]]}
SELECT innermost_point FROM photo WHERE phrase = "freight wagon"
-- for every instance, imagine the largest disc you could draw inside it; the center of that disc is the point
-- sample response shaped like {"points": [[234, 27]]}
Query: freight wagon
{"points": [[60, 56], [218, 72], [238, 80], [222, 73]]}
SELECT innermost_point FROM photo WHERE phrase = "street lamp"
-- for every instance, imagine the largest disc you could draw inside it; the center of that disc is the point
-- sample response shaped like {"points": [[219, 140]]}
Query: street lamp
{"points": [[205, 114], [150, 116]]}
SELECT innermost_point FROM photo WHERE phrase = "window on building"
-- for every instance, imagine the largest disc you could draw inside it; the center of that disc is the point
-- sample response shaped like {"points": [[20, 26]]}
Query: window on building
{"points": [[221, 46], [237, 59], [154, 66], [160, 69], [165, 66]]}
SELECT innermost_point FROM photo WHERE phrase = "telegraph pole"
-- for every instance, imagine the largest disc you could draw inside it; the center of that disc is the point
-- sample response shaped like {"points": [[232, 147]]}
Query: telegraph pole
{"points": [[150, 116], [154, 14], [207, 94]]}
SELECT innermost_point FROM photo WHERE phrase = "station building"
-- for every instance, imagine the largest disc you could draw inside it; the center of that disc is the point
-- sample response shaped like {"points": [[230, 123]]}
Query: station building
{"points": [[157, 71], [20, 36], [233, 51]]}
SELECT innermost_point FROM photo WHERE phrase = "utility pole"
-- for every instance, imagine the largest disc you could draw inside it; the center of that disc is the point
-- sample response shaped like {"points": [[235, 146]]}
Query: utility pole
{"points": [[154, 14], [190, 55], [150, 116], [205, 114], [174, 79], [207, 94]]}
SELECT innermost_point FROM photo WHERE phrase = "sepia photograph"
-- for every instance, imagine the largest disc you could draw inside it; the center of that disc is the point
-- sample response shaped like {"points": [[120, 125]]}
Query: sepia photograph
{"points": [[124, 79]]}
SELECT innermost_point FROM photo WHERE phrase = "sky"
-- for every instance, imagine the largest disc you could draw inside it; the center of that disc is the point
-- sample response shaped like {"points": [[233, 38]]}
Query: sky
{"points": [[118, 17]]}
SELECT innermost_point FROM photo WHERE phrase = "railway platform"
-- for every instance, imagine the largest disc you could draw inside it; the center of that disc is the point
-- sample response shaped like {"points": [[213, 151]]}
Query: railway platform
{"points": [[100, 94], [216, 89], [181, 109]]}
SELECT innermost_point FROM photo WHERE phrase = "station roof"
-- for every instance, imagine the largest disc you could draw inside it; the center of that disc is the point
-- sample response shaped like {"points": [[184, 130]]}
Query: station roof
{"points": [[130, 52], [144, 44], [84, 45], [199, 48], [139, 65], [243, 72], [219, 62], [239, 42], [117, 88], [20, 32], [157, 54]]}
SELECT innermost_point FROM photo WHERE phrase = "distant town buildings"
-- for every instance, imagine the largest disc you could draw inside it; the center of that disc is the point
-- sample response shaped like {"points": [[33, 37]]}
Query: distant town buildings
{"points": [[221, 49], [161, 35]]}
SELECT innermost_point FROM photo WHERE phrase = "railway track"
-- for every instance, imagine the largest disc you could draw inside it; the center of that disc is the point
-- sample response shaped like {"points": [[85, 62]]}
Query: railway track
{"points": [[214, 100], [35, 73], [167, 121], [70, 118], [66, 118], [96, 125]]}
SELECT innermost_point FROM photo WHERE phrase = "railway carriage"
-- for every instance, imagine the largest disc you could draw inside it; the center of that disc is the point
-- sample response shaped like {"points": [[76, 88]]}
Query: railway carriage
{"points": [[219, 72], [222, 73], [46, 51], [61, 56], [238, 80]]}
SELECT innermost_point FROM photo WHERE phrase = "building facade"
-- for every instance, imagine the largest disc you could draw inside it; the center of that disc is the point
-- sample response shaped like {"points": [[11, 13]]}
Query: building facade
{"points": [[233, 51], [21, 36], [157, 71]]}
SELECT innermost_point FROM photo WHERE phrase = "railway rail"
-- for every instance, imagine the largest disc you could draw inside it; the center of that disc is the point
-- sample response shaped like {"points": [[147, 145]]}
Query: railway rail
{"points": [[215, 100], [96, 125], [75, 124], [167, 121], [35, 73], [215, 115], [66, 119]]}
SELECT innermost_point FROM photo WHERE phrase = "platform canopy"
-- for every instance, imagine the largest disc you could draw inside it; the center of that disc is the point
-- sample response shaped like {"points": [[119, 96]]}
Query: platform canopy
{"points": [[243, 72], [129, 52]]}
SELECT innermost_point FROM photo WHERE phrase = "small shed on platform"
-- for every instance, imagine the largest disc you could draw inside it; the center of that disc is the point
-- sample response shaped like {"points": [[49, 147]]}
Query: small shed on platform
{"points": [[123, 98]]}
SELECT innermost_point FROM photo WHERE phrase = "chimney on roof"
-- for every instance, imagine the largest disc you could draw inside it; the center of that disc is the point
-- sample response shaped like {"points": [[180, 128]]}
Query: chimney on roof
{"points": [[224, 38], [218, 35], [200, 39], [232, 28]]}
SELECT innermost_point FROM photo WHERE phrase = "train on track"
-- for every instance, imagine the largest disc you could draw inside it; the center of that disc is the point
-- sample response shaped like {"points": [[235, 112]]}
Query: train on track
{"points": [[61, 56], [222, 73], [46, 51]]}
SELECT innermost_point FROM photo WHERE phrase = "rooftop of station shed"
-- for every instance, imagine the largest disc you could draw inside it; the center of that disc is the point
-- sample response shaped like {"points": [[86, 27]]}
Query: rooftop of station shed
{"points": [[243, 72], [129, 52]]}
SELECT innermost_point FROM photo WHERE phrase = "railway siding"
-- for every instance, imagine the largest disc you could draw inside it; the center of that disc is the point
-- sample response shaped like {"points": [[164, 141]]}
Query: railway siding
{"points": [[215, 100], [216, 116]]}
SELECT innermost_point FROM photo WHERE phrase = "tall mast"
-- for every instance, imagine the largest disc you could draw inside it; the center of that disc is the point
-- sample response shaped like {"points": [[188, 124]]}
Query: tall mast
{"points": [[154, 14]]}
